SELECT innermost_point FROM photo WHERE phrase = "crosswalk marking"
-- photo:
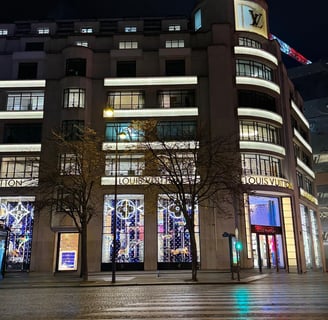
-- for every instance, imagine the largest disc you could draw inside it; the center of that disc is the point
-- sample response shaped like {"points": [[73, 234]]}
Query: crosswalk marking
{"points": [[237, 303]]}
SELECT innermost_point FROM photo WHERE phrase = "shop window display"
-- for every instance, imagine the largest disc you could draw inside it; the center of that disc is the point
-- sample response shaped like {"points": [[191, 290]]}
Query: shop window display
{"points": [[18, 215], [129, 228], [173, 235]]}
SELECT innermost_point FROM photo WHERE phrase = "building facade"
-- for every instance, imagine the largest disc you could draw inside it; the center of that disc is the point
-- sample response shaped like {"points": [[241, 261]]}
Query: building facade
{"points": [[311, 82], [217, 71]]}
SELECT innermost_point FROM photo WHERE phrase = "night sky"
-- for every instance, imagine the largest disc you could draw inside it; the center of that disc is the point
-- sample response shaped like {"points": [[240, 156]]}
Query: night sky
{"points": [[302, 24]]}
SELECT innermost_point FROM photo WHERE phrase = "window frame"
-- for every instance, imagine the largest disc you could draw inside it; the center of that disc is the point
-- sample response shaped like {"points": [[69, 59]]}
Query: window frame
{"points": [[70, 95]]}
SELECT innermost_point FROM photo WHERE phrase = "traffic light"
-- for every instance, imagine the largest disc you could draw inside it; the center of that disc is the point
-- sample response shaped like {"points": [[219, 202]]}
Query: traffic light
{"points": [[239, 246]]}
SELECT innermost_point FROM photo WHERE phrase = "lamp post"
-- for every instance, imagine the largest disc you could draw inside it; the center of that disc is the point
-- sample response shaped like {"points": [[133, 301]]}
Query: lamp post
{"points": [[115, 210], [109, 113]]}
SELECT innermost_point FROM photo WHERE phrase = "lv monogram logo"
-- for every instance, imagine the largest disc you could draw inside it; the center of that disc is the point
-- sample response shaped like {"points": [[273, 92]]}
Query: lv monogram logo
{"points": [[256, 19]]}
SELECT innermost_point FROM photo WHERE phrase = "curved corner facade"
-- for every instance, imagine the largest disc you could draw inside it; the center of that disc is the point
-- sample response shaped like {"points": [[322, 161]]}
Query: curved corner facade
{"points": [[217, 71]]}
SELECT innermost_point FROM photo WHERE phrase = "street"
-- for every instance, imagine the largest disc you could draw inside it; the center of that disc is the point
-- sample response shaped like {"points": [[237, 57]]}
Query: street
{"points": [[278, 296]]}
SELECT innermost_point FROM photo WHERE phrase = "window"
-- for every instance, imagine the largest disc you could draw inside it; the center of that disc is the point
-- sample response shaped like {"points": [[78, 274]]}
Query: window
{"points": [[175, 68], [3, 32], [69, 164], [130, 29], [129, 218], [128, 45], [25, 100], [181, 163], [248, 68], [76, 67], [72, 129], [176, 99], [174, 27], [82, 43], [176, 130], [22, 133], [256, 131], [198, 19], [174, 44], [34, 46], [126, 68], [19, 167], [126, 99], [113, 130], [74, 98], [299, 177], [246, 42], [43, 30], [27, 70], [128, 165], [258, 164], [308, 185], [254, 99], [86, 30]]}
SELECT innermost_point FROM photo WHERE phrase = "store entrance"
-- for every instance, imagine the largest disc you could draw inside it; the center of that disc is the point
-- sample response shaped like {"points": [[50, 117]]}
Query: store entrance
{"points": [[267, 251]]}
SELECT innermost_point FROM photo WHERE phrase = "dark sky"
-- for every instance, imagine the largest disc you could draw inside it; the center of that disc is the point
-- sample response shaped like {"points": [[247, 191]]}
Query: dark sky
{"points": [[302, 24]]}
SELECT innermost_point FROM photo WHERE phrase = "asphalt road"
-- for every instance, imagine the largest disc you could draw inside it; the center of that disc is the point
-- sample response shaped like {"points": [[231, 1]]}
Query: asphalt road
{"points": [[278, 296]]}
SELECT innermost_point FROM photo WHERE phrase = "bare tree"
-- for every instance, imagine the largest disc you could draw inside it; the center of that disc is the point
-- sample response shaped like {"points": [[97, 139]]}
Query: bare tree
{"points": [[71, 187], [197, 173]]}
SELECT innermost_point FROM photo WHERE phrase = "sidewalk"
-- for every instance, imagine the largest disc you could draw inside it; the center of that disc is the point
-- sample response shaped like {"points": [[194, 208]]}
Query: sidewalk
{"points": [[133, 278]]}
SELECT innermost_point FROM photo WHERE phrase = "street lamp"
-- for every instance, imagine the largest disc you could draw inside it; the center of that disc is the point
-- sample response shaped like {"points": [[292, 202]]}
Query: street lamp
{"points": [[109, 113]]}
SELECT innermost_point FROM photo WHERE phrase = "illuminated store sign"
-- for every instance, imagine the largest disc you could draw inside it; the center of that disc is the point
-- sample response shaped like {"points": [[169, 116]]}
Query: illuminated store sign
{"points": [[144, 180], [308, 196], [18, 183], [266, 229], [249, 16], [267, 181]]}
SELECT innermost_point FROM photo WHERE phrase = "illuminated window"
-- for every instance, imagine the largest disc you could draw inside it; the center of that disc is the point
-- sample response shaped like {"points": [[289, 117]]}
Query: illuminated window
{"points": [[128, 45], [127, 165], [87, 30], [181, 164], [82, 43], [17, 213], [174, 44], [176, 99], [248, 68], [126, 99], [259, 164], [3, 32], [114, 129], [247, 42], [74, 98], [130, 29], [198, 19], [173, 235], [68, 249], [43, 30], [257, 131], [69, 164], [129, 228], [25, 100], [19, 167], [174, 27]]}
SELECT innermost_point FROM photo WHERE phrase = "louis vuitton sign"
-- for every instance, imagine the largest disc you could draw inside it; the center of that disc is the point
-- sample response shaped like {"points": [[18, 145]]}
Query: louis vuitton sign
{"points": [[250, 16]]}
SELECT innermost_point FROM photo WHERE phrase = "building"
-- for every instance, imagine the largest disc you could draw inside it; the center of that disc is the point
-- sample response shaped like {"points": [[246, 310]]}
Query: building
{"points": [[217, 68], [311, 81]]}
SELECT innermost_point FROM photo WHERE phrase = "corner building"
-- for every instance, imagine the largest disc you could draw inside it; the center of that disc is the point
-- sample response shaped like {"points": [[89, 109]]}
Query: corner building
{"points": [[215, 71]]}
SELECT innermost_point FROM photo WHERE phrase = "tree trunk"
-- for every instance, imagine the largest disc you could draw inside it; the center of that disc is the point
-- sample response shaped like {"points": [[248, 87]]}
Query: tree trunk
{"points": [[84, 252], [193, 254]]}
